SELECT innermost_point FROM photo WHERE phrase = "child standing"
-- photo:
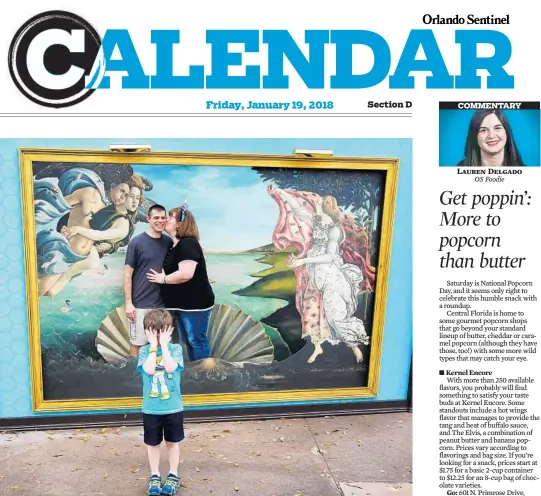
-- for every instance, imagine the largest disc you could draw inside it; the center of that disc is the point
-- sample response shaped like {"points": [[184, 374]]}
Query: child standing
{"points": [[160, 364]]}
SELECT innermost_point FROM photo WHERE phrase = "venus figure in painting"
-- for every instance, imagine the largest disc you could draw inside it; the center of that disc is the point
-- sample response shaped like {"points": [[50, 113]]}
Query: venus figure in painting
{"points": [[327, 288]]}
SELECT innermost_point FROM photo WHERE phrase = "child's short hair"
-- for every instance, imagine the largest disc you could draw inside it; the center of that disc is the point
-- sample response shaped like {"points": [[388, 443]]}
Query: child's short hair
{"points": [[157, 319]]}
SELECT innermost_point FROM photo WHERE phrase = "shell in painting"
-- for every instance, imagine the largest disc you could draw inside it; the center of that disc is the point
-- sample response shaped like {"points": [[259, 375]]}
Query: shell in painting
{"points": [[113, 337], [233, 336]]}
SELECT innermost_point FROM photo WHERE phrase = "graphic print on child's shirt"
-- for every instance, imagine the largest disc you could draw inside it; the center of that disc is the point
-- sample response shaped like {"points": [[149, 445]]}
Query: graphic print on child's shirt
{"points": [[158, 378]]}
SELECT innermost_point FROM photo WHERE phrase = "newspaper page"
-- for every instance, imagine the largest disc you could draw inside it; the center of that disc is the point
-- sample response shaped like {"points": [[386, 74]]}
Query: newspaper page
{"points": [[450, 90]]}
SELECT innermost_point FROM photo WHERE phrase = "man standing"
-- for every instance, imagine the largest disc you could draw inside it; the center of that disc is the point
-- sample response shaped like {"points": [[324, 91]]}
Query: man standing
{"points": [[145, 251]]}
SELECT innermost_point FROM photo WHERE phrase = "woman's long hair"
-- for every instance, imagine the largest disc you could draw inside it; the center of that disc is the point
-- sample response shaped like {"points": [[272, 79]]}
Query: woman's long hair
{"points": [[136, 181], [333, 211], [472, 152], [186, 228]]}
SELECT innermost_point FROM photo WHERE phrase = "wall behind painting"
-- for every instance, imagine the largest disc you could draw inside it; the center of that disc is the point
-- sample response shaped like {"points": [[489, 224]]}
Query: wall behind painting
{"points": [[15, 387]]}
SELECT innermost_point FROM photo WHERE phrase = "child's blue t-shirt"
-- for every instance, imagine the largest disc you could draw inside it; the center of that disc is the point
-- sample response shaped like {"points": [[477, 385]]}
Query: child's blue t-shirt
{"points": [[161, 391]]}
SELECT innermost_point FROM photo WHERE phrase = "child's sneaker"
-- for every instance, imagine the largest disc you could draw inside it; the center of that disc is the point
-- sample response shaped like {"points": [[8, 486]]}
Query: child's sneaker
{"points": [[172, 485], [154, 486]]}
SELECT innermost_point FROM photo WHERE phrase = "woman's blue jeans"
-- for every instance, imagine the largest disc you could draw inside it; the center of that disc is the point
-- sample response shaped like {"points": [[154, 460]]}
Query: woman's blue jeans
{"points": [[192, 328]]}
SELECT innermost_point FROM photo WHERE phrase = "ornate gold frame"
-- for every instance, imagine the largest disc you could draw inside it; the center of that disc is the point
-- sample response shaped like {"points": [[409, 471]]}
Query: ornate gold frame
{"points": [[29, 155]]}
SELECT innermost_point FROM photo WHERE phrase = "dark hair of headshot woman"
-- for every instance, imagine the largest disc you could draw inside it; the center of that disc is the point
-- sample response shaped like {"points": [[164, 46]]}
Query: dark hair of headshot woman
{"points": [[490, 142]]}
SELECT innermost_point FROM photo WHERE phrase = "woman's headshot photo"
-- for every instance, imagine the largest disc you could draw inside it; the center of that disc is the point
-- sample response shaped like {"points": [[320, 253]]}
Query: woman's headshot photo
{"points": [[490, 141], [489, 137]]}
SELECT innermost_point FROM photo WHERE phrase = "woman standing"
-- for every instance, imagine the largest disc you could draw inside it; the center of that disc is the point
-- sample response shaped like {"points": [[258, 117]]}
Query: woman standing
{"points": [[185, 283], [327, 286]]}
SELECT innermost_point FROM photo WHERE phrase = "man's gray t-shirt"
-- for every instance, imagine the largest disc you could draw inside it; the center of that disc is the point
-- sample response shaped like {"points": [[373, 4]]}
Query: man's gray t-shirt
{"points": [[144, 253]]}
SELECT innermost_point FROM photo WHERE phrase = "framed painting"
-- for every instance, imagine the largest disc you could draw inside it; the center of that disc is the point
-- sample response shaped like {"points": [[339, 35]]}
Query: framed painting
{"points": [[297, 250]]}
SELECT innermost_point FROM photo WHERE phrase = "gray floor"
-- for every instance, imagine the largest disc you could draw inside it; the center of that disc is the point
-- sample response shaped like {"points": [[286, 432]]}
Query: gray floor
{"points": [[343, 456]]}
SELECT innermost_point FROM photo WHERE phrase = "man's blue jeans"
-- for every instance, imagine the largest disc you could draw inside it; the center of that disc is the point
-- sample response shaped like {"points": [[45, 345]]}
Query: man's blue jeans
{"points": [[192, 328]]}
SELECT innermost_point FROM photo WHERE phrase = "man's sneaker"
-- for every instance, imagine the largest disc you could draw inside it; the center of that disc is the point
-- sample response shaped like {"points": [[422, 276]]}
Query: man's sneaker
{"points": [[172, 485], [154, 486]]}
